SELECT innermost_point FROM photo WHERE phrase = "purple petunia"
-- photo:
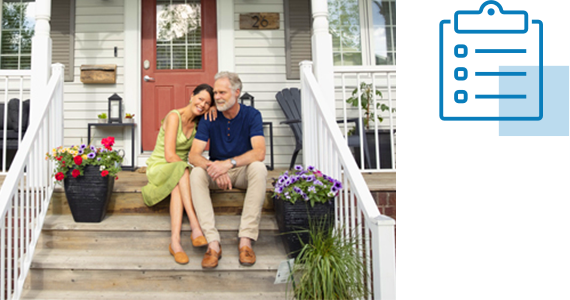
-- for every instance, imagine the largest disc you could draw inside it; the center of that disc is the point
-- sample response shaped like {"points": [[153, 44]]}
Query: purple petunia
{"points": [[310, 178], [287, 195], [311, 168], [91, 155], [297, 190], [304, 177], [279, 189], [338, 184], [317, 182], [298, 168], [305, 197], [83, 146], [80, 151], [98, 158], [288, 182], [312, 189], [281, 181], [93, 148], [334, 189]]}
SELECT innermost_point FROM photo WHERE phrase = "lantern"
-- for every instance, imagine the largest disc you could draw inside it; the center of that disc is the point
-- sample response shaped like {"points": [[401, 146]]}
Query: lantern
{"points": [[115, 109]]}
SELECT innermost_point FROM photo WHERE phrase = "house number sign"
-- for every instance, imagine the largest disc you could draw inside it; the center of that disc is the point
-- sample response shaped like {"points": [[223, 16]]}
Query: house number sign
{"points": [[259, 21]]}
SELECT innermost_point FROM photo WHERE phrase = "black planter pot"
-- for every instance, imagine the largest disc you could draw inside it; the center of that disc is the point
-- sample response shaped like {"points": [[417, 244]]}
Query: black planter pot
{"points": [[384, 148], [295, 217], [88, 195]]}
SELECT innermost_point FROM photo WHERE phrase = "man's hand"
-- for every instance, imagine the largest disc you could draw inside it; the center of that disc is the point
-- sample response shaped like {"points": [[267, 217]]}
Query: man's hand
{"points": [[223, 181], [217, 168]]}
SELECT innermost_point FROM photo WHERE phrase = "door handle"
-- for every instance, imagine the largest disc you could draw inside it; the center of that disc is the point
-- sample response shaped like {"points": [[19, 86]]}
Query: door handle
{"points": [[148, 78]]}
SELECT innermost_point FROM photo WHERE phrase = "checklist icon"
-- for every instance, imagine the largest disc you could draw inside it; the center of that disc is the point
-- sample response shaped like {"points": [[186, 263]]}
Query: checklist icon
{"points": [[491, 65]]}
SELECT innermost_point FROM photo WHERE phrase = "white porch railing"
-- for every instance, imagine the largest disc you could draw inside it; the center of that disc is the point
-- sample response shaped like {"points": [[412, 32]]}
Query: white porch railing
{"points": [[381, 136], [27, 188], [13, 84], [325, 148]]}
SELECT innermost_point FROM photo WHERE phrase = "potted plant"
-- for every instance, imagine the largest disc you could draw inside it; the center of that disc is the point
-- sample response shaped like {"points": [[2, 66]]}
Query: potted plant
{"points": [[88, 174], [367, 95], [129, 118], [329, 266], [102, 118], [301, 196]]}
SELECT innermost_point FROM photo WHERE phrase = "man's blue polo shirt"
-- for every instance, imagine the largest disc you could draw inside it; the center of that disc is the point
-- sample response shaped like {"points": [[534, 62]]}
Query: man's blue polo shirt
{"points": [[231, 138]]}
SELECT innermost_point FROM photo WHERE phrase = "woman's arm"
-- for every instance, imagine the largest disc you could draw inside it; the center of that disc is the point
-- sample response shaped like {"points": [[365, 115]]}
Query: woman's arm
{"points": [[212, 113], [170, 133]]}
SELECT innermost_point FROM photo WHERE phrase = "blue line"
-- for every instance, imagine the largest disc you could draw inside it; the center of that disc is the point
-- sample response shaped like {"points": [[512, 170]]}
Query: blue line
{"points": [[500, 73], [500, 50], [500, 96]]}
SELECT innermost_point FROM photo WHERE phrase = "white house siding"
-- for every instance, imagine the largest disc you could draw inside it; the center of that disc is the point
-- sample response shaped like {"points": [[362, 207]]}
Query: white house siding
{"points": [[260, 62], [98, 29]]}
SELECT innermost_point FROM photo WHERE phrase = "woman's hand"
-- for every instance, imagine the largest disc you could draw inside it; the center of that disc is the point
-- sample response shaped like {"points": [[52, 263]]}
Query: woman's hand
{"points": [[212, 112]]}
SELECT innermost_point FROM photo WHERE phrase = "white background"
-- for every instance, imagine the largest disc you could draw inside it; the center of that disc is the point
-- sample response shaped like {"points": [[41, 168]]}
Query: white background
{"points": [[479, 216]]}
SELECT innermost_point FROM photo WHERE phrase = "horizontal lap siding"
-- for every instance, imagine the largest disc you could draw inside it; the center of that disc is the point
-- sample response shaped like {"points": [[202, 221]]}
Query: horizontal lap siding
{"points": [[99, 27], [261, 63]]}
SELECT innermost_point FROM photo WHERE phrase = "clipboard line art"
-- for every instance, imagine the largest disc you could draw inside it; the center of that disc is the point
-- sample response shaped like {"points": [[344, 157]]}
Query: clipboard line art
{"points": [[491, 12], [540, 70]]}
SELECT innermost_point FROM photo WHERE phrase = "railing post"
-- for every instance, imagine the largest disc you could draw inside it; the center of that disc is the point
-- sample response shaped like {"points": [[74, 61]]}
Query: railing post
{"points": [[41, 56], [309, 139], [58, 104], [384, 258], [321, 43]]}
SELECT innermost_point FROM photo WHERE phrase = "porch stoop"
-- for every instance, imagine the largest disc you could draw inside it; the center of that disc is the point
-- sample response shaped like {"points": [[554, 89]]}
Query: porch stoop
{"points": [[126, 255]]}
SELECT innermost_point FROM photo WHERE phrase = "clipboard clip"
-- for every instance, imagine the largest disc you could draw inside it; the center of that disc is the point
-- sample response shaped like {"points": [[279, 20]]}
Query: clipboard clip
{"points": [[491, 18]]}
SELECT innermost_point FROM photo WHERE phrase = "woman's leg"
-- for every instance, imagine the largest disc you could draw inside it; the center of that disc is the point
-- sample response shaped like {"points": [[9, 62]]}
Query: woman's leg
{"points": [[186, 195], [176, 211]]}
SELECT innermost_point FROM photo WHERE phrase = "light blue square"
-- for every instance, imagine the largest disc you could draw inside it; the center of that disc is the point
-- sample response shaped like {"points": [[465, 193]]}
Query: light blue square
{"points": [[555, 121]]}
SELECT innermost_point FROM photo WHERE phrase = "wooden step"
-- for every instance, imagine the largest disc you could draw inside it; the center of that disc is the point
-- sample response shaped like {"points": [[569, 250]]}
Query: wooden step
{"points": [[98, 295], [224, 202]]}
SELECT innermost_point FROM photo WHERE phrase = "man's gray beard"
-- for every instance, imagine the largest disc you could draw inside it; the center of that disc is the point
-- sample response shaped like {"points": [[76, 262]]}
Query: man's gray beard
{"points": [[226, 106]]}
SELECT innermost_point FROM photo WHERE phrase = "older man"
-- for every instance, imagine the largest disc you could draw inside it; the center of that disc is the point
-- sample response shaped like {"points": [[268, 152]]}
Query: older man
{"points": [[237, 149]]}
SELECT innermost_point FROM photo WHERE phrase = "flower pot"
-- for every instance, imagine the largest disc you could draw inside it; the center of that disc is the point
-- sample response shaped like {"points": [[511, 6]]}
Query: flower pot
{"points": [[101, 120], [295, 217], [383, 146], [88, 195], [128, 120]]}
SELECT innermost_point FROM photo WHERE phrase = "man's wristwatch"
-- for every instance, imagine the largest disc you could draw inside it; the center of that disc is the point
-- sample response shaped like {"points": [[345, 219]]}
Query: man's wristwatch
{"points": [[234, 162]]}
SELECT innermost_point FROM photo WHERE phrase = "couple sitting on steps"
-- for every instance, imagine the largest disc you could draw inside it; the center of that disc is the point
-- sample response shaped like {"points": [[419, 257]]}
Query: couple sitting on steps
{"points": [[237, 149]]}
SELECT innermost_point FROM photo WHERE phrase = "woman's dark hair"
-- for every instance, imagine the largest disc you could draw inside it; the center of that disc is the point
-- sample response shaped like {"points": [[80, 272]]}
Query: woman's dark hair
{"points": [[204, 87]]}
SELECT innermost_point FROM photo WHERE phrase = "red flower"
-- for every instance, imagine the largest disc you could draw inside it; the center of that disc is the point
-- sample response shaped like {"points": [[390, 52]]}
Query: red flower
{"points": [[75, 173], [104, 173], [117, 178], [59, 176], [108, 142], [58, 158], [78, 160]]}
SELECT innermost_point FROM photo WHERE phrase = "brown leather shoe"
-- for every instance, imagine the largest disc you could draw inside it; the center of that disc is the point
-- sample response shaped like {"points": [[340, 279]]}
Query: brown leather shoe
{"points": [[179, 257], [246, 256], [199, 241], [211, 258]]}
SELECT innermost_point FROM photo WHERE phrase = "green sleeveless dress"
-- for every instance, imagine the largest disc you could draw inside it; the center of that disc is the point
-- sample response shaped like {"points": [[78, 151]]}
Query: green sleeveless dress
{"points": [[162, 175]]}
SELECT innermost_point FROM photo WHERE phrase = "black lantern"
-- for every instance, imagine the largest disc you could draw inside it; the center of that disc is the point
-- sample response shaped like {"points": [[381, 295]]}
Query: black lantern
{"points": [[249, 97], [115, 109]]}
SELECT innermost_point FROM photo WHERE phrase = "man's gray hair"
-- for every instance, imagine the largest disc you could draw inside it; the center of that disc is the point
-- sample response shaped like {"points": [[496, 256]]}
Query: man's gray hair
{"points": [[235, 82]]}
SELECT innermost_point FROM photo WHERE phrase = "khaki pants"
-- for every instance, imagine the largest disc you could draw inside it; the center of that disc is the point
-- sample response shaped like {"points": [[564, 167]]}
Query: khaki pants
{"points": [[252, 177]]}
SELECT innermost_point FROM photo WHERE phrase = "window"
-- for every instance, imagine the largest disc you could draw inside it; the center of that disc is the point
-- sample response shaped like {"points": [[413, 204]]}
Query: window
{"points": [[363, 32], [18, 24]]}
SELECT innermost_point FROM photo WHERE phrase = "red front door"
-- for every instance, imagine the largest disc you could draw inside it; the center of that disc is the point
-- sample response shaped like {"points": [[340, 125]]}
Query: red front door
{"points": [[179, 52]]}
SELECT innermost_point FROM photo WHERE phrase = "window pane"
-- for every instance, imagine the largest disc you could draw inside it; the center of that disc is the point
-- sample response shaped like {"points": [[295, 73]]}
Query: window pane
{"points": [[10, 42], [25, 62], [178, 24], [18, 21], [344, 27], [9, 62], [383, 33]]}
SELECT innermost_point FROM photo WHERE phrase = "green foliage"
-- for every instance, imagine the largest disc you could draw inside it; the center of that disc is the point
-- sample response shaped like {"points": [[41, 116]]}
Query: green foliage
{"points": [[329, 266], [309, 185], [102, 116], [367, 103]]}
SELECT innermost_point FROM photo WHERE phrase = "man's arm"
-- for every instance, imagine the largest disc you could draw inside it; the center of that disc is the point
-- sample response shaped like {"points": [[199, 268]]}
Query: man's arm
{"points": [[221, 167], [195, 156]]}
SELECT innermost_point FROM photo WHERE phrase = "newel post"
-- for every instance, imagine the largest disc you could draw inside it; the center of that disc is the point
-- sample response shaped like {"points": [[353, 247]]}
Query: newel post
{"points": [[41, 55], [322, 53]]}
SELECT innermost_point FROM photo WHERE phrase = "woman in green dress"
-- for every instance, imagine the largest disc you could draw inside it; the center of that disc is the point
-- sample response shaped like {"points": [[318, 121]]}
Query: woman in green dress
{"points": [[168, 171]]}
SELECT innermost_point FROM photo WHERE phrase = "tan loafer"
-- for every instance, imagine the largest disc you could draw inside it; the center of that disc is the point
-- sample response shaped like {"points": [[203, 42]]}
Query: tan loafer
{"points": [[179, 257], [246, 256], [211, 258], [199, 241]]}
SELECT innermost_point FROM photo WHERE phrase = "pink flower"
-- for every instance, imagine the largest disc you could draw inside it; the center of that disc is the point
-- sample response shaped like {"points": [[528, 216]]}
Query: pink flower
{"points": [[319, 174]]}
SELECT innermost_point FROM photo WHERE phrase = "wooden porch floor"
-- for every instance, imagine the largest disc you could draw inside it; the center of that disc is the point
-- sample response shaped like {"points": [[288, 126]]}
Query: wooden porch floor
{"points": [[134, 181]]}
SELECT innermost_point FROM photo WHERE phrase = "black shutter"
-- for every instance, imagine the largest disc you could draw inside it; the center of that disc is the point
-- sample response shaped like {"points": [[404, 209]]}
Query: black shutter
{"points": [[63, 34]]}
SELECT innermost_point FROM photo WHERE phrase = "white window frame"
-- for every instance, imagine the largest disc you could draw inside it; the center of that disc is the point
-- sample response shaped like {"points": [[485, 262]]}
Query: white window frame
{"points": [[19, 54]]}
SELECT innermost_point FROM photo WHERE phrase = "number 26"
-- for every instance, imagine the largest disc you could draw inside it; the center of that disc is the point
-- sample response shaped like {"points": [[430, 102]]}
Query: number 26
{"points": [[262, 23]]}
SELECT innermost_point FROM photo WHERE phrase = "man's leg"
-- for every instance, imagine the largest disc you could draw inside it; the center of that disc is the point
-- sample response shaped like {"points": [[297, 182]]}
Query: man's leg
{"points": [[200, 184], [253, 178]]}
